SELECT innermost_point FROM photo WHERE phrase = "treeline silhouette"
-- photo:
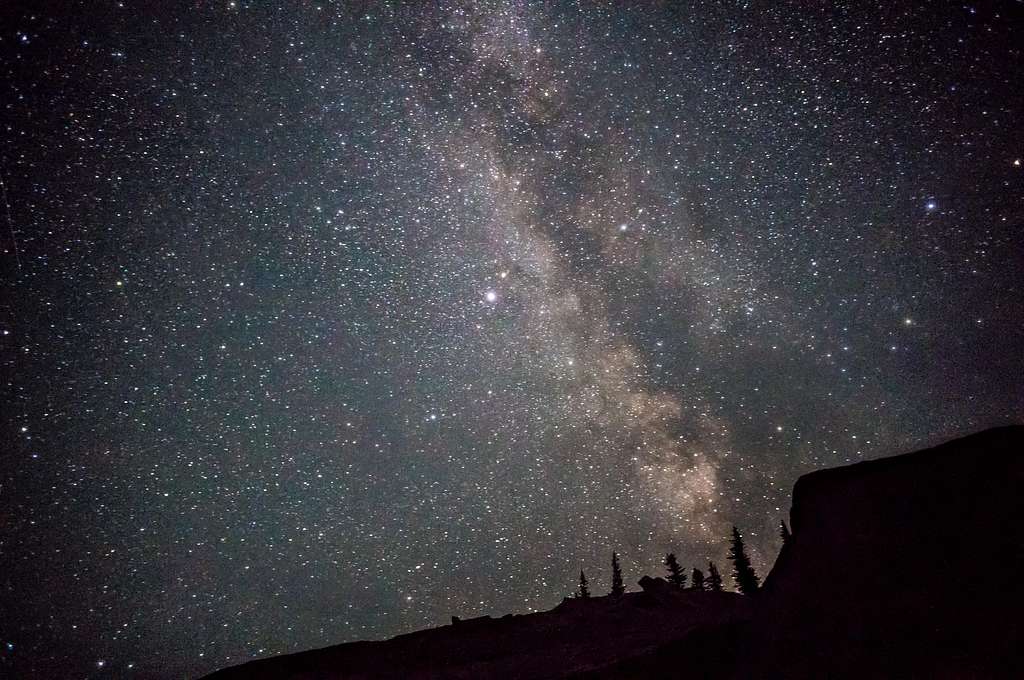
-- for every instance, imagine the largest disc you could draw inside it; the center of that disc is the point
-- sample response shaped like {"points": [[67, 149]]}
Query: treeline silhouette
{"points": [[743, 575]]}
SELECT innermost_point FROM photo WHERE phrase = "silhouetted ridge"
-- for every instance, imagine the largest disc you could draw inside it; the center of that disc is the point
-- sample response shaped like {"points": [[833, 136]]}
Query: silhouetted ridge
{"points": [[898, 567]]}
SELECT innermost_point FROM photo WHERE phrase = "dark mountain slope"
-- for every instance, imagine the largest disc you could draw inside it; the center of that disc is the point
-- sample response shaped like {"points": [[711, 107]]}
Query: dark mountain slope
{"points": [[911, 566], [576, 636]]}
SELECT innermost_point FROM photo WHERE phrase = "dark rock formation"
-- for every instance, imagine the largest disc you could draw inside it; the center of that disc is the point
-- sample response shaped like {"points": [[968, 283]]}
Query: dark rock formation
{"points": [[657, 586], [901, 567]]}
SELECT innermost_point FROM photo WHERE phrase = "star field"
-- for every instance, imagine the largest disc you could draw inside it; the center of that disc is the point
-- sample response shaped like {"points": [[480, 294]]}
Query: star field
{"points": [[324, 323]]}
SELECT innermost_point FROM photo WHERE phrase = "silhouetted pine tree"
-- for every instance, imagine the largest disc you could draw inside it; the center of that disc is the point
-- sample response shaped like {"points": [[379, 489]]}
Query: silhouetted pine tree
{"points": [[675, 573], [714, 578], [617, 587], [784, 532], [584, 591], [698, 579], [742, 572]]}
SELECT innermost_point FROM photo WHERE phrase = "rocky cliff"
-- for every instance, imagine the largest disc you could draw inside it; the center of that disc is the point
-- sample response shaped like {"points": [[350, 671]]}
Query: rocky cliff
{"points": [[910, 565]]}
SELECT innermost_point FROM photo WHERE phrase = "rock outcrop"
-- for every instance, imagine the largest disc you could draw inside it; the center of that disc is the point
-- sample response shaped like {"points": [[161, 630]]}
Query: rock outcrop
{"points": [[904, 566]]}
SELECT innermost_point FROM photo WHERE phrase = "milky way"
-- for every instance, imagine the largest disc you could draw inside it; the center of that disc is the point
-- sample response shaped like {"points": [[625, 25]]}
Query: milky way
{"points": [[324, 324]]}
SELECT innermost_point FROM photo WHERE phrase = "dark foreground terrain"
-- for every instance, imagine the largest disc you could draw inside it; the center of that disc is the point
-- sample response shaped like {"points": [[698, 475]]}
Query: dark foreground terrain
{"points": [[909, 567]]}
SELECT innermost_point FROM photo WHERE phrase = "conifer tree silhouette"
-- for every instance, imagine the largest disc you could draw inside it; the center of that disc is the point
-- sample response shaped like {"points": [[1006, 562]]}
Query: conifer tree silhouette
{"points": [[784, 532], [584, 590], [617, 588], [742, 571], [675, 573], [698, 579], [714, 578]]}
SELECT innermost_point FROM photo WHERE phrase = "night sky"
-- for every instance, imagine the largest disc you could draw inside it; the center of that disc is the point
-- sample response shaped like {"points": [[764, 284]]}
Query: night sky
{"points": [[325, 323]]}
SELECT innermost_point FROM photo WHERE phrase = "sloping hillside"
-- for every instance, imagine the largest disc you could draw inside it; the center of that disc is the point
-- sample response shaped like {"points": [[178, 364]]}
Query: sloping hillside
{"points": [[910, 566]]}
